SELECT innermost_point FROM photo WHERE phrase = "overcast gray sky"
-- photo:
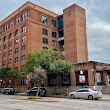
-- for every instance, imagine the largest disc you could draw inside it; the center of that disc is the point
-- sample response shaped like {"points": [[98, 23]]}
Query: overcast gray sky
{"points": [[97, 15]]}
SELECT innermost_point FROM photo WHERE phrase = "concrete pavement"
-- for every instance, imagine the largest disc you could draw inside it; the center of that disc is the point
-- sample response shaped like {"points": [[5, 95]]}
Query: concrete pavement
{"points": [[53, 98]]}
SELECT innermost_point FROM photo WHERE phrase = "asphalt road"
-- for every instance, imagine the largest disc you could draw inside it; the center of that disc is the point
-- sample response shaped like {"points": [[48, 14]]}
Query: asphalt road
{"points": [[7, 103]]}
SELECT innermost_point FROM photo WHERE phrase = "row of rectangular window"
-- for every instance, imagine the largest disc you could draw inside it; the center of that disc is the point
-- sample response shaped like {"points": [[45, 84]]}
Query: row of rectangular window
{"points": [[16, 42], [16, 51], [45, 21], [24, 16], [44, 31], [23, 68], [12, 24], [45, 41], [16, 60], [17, 32]]}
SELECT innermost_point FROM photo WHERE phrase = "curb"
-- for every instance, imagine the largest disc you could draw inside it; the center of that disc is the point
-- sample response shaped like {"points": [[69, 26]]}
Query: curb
{"points": [[39, 100]]}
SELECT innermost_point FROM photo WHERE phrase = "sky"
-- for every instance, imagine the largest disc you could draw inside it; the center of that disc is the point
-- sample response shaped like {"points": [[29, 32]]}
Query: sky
{"points": [[97, 21]]}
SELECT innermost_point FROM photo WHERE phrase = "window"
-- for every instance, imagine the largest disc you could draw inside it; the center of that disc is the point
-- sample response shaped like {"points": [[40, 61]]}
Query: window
{"points": [[23, 81], [24, 29], [45, 31], [23, 57], [60, 22], [5, 46], [79, 91], [24, 16], [44, 20], [54, 34], [18, 20], [10, 52], [4, 55], [16, 68], [10, 35], [62, 53], [10, 61], [16, 50], [4, 39], [45, 48], [17, 32], [53, 23], [23, 38], [45, 40], [11, 24], [16, 60], [23, 68], [10, 44], [6, 27], [65, 79], [17, 41], [23, 47], [54, 43], [4, 63], [85, 90]]}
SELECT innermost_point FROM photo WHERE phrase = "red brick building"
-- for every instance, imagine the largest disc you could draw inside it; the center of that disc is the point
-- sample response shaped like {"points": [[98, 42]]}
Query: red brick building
{"points": [[31, 28]]}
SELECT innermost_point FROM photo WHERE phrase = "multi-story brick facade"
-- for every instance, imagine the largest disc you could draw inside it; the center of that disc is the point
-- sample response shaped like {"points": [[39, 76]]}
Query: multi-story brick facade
{"points": [[31, 28]]}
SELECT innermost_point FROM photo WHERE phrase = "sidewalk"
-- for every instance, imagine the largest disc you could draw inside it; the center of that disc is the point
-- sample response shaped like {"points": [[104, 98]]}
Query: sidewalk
{"points": [[43, 99], [53, 98], [106, 97]]}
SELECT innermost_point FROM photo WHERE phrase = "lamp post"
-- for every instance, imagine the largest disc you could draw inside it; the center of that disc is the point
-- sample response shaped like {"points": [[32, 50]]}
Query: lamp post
{"points": [[0, 82], [81, 73]]}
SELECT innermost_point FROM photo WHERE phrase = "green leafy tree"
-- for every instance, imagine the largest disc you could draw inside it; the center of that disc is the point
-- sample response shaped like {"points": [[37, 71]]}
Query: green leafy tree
{"points": [[4, 72], [8, 73], [12, 73], [43, 58], [38, 76], [59, 68]]}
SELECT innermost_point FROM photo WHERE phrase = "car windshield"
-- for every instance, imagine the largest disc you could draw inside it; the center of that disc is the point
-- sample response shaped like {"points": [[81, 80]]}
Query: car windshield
{"points": [[34, 88]]}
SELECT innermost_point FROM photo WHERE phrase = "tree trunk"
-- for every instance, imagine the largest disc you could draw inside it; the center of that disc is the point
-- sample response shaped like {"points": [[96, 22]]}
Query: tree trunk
{"points": [[38, 89]]}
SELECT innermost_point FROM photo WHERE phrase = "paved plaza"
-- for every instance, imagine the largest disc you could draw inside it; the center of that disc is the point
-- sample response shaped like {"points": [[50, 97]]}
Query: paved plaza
{"points": [[8, 102]]}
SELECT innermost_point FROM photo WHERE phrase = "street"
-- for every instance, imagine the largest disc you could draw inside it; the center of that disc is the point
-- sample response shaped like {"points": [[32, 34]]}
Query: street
{"points": [[7, 103]]}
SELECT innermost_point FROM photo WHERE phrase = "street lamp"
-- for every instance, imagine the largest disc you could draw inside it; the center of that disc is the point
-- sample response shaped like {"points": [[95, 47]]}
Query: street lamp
{"points": [[81, 71], [81, 77], [0, 82]]}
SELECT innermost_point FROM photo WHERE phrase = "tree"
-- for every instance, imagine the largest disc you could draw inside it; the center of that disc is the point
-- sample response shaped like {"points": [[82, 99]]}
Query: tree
{"points": [[6, 73], [12, 73], [43, 58], [47, 59], [59, 68], [38, 76]]}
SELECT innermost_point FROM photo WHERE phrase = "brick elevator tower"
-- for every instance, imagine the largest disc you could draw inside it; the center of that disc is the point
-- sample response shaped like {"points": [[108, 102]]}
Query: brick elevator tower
{"points": [[75, 39]]}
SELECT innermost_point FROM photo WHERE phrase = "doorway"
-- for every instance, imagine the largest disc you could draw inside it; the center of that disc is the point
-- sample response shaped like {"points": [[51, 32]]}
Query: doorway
{"points": [[109, 79]]}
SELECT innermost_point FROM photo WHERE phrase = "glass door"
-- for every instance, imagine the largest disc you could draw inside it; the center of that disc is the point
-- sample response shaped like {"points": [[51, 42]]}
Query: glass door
{"points": [[108, 80]]}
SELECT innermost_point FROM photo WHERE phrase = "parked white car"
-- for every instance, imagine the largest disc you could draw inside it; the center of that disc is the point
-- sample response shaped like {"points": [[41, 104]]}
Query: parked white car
{"points": [[86, 93]]}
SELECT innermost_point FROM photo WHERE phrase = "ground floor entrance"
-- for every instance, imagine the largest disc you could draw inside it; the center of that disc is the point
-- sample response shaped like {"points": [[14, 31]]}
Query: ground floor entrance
{"points": [[108, 77]]}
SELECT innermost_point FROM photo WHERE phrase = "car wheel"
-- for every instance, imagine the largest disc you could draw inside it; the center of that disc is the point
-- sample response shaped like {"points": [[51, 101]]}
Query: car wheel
{"points": [[7, 93], [90, 97], [96, 98], [72, 96]]}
